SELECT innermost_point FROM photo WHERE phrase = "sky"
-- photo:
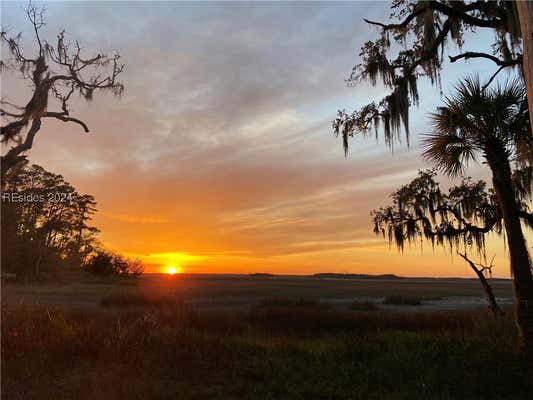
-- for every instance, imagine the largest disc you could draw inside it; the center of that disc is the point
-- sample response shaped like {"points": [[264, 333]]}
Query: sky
{"points": [[220, 157]]}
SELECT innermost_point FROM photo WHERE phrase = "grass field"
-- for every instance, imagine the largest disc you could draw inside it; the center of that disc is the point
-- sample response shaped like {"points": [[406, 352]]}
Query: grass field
{"points": [[155, 339]]}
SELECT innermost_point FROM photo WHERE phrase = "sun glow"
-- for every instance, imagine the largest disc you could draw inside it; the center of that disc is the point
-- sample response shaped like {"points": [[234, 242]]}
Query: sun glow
{"points": [[171, 270], [168, 262]]}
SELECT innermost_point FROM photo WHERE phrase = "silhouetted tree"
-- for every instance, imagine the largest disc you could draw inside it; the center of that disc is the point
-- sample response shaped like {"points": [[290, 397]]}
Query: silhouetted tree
{"points": [[56, 72], [492, 124], [420, 210], [459, 219], [423, 30], [525, 14], [45, 222]]}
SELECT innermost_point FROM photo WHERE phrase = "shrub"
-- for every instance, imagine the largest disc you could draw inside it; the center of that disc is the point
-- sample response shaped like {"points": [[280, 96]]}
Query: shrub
{"points": [[107, 263]]}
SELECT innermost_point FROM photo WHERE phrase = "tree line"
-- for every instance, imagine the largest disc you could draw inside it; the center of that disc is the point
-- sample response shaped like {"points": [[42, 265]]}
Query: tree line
{"points": [[46, 228]]}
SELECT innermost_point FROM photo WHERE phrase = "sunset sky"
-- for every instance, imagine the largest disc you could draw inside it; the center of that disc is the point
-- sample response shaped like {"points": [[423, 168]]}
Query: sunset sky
{"points": [[220, 156]]}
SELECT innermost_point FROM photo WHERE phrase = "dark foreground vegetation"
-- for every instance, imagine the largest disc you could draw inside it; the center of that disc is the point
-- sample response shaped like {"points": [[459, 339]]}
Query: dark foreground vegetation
{"points": [[277, 350]]}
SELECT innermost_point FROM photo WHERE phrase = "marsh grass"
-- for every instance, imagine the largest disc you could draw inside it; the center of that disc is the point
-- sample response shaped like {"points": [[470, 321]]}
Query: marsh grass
{"points": [[278, 351], [360, 305], [136, 300], [293, 303], [403, 300]]}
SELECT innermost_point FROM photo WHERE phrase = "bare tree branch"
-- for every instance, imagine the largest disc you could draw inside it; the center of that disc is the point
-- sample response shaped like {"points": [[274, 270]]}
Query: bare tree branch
{"points": [[473, 54], [10, 114], [65, 118], [13, 156], [486, 85], [486, 286], [402, 24]]}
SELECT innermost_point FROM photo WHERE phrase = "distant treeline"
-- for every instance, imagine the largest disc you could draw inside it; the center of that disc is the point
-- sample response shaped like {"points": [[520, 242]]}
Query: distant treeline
{"points": [[355, 276], [334, 275]]}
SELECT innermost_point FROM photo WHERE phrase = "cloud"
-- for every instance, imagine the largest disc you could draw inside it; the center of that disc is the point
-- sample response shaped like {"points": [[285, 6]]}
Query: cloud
{"points": [[135, 219]]}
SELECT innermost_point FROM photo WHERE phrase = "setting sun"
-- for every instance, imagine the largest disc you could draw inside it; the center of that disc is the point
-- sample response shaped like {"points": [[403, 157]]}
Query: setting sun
{"points": [[171, 270]]}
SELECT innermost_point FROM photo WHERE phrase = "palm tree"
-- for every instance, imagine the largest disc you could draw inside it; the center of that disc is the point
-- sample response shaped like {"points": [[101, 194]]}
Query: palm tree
{"points": [[492, 124]]}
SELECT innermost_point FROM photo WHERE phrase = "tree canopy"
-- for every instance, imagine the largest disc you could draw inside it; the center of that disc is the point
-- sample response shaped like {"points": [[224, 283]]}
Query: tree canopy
{"points": [[476, 123], [422, 32], [462, 217], [46, 227], [46, 223]]}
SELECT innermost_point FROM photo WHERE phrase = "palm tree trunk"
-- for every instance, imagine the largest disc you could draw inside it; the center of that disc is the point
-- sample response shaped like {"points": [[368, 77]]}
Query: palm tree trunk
{"points": [[525, 14], [520, 262]]}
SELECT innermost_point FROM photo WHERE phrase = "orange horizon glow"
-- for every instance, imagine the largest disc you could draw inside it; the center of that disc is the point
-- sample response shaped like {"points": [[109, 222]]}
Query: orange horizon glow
{"points": [[370, 257]]}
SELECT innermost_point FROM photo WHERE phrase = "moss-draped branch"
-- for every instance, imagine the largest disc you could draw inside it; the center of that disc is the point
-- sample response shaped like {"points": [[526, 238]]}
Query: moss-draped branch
{"points": [[423, 32], [462, 216]]}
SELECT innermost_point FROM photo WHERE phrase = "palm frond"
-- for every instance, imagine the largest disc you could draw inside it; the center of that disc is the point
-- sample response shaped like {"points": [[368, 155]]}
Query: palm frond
{"points": [[475, 120], [450, 153]]}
